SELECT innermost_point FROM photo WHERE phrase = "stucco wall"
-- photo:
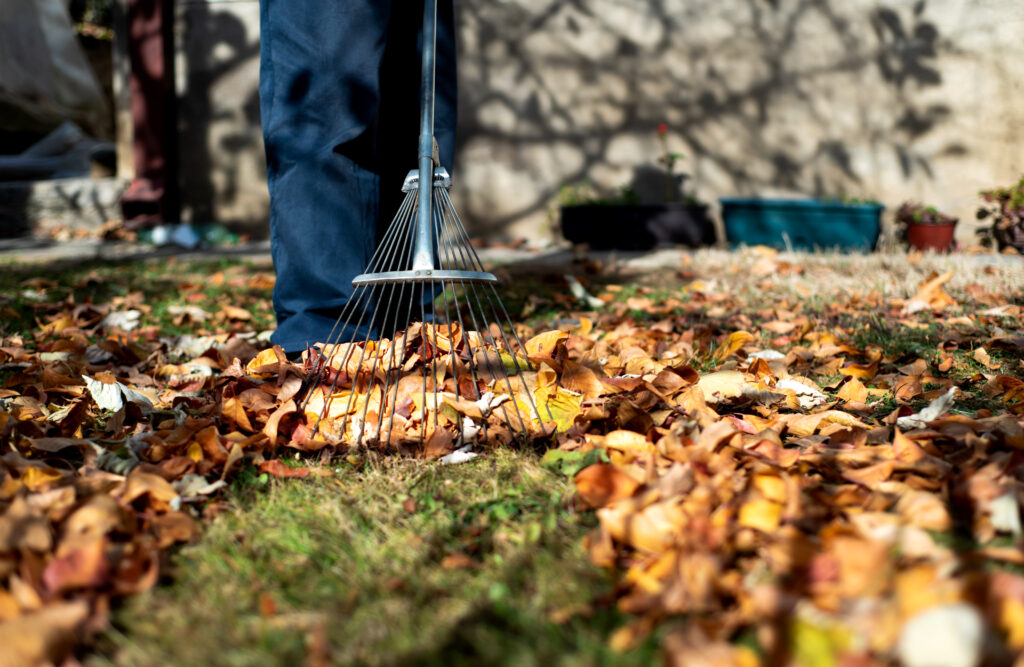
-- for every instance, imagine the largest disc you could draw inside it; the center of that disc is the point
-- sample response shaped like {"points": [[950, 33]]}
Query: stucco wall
{"points": [[895, 100]]}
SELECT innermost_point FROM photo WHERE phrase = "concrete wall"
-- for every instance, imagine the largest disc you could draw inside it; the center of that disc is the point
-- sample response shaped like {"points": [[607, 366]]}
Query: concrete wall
{"points": [[222, 166], [891, 100]]}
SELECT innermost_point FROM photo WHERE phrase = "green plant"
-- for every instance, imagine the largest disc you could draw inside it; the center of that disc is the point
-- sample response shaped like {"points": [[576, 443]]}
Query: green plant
{"points": [[844, 198], [669, 159], [911, 213], [1005, 207]]}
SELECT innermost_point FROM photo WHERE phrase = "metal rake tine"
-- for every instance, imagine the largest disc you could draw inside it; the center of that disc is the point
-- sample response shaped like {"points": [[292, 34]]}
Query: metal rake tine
{"points": [[373, 368], [448, 320], [387, 377], [355, 379], [402, 222], [448, 252], [389, 235], [423, 335], [502, 372], [405, 347], [458, 228]]}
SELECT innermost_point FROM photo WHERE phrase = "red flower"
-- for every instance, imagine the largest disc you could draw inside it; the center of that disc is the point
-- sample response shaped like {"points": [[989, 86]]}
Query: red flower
{"points": [[662, 128]]}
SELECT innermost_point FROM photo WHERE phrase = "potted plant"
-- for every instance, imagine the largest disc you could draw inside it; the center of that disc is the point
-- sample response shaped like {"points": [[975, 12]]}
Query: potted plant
{"points": [[925, 228], [653, 211], [1005, 207], [803, 224]]}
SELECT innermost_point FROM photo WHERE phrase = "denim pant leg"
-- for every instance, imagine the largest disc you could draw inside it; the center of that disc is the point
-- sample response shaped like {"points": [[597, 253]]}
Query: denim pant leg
{"points": [[336, 78]]}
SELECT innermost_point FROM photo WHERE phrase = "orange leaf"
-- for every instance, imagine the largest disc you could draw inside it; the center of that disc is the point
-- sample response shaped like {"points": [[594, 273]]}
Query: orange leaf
{"points": [[278, 469], [601, 484], [861, 371], [871, 475], [85, 567]]}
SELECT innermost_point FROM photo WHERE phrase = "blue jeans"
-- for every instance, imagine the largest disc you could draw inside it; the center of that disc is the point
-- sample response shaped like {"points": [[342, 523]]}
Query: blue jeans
{"points": [[340, 104]]}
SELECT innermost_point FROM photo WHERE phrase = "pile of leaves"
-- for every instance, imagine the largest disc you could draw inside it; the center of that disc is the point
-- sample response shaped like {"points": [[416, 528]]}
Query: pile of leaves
{"points": [[767, 473], [437, 385]]}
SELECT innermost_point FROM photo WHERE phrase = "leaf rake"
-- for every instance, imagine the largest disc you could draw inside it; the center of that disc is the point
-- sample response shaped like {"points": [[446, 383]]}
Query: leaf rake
{"points": [[424, 351]]}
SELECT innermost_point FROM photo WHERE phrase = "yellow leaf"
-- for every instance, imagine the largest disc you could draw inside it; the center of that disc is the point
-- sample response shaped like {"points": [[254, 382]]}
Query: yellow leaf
{"points": [[721, 385], [559, 406], [264, 358], [761, 515], [195, 451], [736, 340], [1011, 618], [853, 391], [37, 479], [543, 344], [772, 487], [627, 441]]}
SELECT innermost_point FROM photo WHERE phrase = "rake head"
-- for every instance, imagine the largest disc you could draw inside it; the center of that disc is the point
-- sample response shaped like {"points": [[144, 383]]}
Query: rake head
{"points": [[424, 351]]}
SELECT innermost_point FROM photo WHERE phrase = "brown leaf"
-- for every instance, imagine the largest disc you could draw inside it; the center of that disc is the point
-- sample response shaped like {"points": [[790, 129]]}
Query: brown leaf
{"points": [[140, 484], [274, 422], [174, 527], [43, 637], [231, 410], [581, 379], [439, 443], [235, 313]]}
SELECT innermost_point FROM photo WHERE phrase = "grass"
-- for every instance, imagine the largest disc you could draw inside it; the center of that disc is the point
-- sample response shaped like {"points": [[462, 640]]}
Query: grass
{"points": [[395, 561], [152, 286], [392, 562]]}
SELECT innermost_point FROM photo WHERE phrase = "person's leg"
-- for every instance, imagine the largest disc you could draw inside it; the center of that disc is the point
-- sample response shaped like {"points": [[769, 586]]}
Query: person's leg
{"points": [[398, 131], [319, 99]]}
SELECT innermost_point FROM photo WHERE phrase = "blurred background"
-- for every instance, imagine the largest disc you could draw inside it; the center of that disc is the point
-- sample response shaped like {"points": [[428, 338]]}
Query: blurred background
{"points": [[147, 110]]}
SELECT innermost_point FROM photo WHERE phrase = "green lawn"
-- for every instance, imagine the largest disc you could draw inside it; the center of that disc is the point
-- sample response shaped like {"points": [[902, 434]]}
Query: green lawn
{"points": [[390, 560], [386, 562]]}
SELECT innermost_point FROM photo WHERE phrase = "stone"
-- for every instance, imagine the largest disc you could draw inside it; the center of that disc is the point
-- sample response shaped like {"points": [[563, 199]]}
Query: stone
{"points": [[951, 635]]}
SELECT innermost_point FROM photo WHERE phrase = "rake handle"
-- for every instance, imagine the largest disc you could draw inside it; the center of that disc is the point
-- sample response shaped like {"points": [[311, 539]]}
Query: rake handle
{"points": [[423, 253]]}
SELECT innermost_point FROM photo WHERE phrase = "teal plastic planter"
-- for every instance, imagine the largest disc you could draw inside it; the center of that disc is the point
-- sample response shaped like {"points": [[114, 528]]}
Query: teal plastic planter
{"points": [[806, 223]]}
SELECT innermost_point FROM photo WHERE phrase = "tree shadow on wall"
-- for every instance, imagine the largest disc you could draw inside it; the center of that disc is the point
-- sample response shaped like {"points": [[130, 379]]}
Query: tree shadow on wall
{"points": [[213, 138], [726, 77]]}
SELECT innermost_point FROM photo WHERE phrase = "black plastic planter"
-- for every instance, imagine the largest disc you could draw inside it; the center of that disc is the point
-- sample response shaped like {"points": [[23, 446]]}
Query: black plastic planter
{"points": [[637, 226]]}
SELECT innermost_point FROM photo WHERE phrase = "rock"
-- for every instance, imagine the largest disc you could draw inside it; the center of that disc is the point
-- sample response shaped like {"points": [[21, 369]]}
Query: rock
{"points": [[950, 635]]}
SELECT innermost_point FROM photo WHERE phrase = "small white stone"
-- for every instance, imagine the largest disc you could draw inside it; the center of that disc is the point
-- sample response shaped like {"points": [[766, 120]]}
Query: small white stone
{"points": [[950, 635], [767, 355]]}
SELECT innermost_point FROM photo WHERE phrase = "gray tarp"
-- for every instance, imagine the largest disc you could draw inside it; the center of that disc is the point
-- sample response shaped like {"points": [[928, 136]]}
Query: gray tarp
{"points": [[44, 76]]}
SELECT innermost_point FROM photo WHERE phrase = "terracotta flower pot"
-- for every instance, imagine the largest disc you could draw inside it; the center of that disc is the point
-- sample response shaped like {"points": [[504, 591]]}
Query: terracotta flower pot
{"points": [[931, 237]]}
